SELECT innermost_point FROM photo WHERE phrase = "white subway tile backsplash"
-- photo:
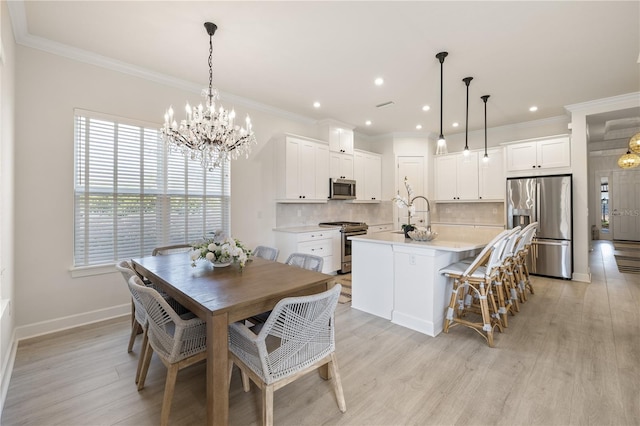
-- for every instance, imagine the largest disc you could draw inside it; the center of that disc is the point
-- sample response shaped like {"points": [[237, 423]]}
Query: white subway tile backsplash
{"points": [[311, 214]]}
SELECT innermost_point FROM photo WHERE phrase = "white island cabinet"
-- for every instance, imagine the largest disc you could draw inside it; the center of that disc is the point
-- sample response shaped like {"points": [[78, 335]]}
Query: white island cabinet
{"points": [[398, 279]]}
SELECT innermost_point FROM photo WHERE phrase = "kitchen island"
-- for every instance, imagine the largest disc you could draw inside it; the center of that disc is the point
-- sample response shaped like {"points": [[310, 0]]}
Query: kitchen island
{"points": [[396, 278]]}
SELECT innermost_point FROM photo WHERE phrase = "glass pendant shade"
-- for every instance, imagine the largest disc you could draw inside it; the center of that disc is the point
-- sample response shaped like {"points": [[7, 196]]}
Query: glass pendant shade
{"points": [[209, 134], [634, 143], [629, 160]]}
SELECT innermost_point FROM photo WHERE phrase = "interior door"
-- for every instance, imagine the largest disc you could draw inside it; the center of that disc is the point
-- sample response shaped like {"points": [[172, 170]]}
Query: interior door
{"points": [[625, 201], [413, 169]]}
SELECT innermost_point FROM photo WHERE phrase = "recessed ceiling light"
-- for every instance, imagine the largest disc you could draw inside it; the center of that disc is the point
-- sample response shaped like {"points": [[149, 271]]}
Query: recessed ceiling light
{"points": [[368, 122], [316, 104], [426, 108], [533, 108], [419, 126], [456, 124], [379, 81]]}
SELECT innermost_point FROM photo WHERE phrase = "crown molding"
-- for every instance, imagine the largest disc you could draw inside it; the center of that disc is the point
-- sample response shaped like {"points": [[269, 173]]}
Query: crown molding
{"points": [[633, 99], [19, 23]]}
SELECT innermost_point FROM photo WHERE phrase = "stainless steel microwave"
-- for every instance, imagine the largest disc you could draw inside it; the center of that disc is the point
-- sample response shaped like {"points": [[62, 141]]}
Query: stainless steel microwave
{"points": [[342, 189]]}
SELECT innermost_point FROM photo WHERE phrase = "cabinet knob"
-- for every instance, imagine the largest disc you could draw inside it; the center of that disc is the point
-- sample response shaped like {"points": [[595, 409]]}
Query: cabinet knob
{"points": [[534, 166], [538, 165]]}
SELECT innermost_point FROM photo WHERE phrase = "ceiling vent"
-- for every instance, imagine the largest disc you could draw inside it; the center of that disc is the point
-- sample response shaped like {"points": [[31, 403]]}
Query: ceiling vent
{"points": [[385, 104]]}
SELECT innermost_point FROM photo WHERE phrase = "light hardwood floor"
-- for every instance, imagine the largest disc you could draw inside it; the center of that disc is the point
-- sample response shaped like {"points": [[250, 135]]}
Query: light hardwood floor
{"points": [[571, 356]]}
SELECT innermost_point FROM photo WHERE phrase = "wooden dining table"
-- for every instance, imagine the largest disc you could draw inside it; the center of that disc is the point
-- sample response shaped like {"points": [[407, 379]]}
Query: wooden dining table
{"points": [[221, 296]]}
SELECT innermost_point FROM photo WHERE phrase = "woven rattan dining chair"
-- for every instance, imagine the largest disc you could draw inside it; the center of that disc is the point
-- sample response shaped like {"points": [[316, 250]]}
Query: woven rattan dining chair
{"points": [[472, 291], [178, 342], [306, 261], [298, 337], [138, 314], [301, 260], [175, 248], [265, 252]]}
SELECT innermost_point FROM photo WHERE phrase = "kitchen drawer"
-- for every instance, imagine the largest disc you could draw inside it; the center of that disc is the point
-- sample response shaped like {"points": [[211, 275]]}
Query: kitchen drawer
{"points": [[316, 235], [380, 228], [320, 248]]}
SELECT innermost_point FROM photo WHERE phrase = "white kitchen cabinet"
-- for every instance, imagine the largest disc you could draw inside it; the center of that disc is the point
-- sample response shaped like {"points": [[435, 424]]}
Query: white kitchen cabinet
{"points": [[339, 135], [539, 154], [367, 172], [301, 170], [382, 227], [324, 243], [457, 177], [341, 166], [491, 176]]}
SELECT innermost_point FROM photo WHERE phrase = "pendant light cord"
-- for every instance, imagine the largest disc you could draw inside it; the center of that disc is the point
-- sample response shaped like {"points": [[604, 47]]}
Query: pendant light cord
{"points": [[484, 99], [467, 81]]}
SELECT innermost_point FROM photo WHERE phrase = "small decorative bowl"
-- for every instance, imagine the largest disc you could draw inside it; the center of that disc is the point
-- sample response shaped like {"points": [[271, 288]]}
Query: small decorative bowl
{"points": [[422, 235]]}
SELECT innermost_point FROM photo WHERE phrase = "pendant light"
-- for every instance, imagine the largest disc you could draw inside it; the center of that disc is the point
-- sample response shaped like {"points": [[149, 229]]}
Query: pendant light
{"points": [[467, 80], [629, 160], [442, 143], [485, 158]]}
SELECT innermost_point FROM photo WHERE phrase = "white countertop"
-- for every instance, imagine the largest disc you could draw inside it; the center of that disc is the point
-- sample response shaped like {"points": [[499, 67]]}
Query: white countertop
{"points": [[306, 228], [449, 244]]}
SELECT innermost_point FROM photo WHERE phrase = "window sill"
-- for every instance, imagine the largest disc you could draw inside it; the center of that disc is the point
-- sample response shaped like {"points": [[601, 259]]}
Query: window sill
{"points": [[88, 271]]}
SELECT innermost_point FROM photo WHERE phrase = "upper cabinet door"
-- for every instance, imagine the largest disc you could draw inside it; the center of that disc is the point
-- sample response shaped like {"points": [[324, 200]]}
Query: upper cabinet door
{"points": [[554, 153], [467, 176], [491, 175], [446, 177], [550, 153], [341, 140], [522, 156], [341, 166]]}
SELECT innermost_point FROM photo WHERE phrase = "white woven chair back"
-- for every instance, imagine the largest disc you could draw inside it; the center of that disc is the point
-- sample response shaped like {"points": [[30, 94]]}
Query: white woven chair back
{"points": [[299, 332], [176, 248], [510, 244], [127, 272], [168, 333], [306, 261], [527, 235], [489, 247], [264, 252]]}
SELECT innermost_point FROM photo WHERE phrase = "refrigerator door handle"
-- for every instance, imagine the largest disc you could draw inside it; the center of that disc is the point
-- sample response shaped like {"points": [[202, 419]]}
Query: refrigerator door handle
{"points": [[537, 218], [550, 243]]}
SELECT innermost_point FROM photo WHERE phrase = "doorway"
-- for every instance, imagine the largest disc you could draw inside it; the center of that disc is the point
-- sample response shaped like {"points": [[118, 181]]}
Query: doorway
{"points": [[625, 205], [413, 169]]}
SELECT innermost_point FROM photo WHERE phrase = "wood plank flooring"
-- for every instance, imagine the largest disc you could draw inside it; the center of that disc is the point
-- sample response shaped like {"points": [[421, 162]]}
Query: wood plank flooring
{"points": [[570, 357]]}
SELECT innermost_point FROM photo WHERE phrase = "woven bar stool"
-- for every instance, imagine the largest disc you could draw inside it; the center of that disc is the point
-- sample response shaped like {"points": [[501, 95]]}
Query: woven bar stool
{"points": [[521, 270], [506, 282], [472, 291]]}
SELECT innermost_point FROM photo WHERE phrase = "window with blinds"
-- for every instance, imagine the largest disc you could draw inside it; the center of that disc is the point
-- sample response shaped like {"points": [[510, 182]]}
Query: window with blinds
{"points": [[132, 195]]}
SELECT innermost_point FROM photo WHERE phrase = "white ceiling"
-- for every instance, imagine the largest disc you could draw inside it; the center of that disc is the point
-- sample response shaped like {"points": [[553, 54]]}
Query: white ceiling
{"points": [[289, 54]]}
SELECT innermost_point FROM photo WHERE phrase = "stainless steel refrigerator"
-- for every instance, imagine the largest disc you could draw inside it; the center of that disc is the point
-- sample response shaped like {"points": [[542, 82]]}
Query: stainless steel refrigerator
{"points": [[547, 200]]}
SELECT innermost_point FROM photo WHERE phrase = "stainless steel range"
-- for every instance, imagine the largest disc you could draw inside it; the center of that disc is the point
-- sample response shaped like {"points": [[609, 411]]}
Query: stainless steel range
{"points": [[347, 229]]}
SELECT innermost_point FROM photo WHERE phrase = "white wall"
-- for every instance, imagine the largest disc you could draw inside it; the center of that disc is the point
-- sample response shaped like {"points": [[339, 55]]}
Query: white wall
{"points": [[7, 98], [50, 87]]}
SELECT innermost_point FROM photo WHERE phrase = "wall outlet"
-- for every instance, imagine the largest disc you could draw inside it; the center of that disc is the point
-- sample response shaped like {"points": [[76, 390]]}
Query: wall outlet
{"points": [[299, 212], [412, 259], [495, 211]]}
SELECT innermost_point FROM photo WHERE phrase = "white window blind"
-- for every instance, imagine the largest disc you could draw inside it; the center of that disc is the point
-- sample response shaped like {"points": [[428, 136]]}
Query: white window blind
{"points": [[131, 195]]}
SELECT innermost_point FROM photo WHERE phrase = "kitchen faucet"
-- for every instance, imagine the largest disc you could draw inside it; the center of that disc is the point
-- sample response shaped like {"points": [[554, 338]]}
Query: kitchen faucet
{"points": [[428, 209]]}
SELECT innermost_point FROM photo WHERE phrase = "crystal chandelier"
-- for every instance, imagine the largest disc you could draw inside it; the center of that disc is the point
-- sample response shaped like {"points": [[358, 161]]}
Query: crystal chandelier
{"points": [[208, 134]]}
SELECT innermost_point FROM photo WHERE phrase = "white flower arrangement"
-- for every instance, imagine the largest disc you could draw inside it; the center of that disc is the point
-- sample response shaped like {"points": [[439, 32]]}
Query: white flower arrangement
{"points": [[407, 202], [220, 250]]}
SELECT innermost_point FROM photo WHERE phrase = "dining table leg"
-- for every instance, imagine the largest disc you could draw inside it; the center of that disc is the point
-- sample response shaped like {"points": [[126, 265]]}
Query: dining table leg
{"points": [[217, 370]]}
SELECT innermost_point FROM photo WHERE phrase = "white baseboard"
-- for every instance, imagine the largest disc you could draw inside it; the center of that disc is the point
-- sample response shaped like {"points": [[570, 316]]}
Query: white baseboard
{"points": [[71, 321], [418, 324], [585, 278]]}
